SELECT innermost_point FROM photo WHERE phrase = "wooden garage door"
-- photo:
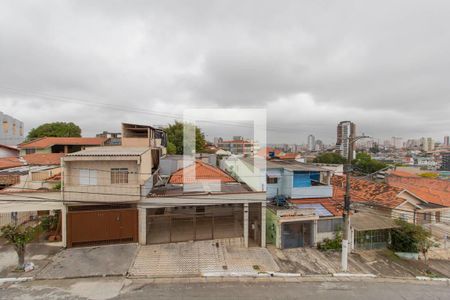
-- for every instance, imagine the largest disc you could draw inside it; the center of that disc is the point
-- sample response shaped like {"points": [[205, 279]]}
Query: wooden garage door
{"points": [[102, 227]]}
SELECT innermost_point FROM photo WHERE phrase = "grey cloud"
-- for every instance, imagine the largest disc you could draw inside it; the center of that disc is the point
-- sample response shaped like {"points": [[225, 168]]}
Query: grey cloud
{"points": [[386, 61]]}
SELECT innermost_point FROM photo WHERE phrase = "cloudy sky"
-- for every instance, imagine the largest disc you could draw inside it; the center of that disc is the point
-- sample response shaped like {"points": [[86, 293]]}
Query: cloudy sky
{"points": [[383, 64]]}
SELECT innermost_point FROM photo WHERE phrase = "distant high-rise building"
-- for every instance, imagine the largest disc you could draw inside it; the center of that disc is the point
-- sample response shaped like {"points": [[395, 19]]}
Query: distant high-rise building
{"points": [[319, 145], [445, 161], [11, 133], [311, 142], [397, 142], [446, 141], [346, 130], [430, 143]]}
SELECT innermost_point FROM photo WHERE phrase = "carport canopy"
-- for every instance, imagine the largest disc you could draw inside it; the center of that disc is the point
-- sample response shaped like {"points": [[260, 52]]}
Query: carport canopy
{"points": [[363, 221]]}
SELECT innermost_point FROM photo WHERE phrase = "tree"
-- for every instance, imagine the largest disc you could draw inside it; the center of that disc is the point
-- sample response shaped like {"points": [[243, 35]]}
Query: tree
{"points": [[366, 164], [55, 129], [330, 158], [175, 136], [410, 237], [171, 149], [429, 175], [19, 236]]}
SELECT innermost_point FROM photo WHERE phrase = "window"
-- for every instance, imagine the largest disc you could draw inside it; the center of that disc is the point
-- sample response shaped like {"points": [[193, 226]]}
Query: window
{"points": [[403, 217], [272, 180], [119, 175], [5, 126], [30, 151], [330, 225], [88, 177]]}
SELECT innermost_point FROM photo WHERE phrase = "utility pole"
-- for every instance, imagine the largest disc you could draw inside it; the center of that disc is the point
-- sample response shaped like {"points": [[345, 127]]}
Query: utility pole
{"points": [[347, 200], [346, 214]]}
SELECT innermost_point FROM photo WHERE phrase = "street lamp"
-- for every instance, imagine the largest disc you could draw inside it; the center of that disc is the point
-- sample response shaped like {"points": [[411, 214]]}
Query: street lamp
{"points": [[346, 214]]}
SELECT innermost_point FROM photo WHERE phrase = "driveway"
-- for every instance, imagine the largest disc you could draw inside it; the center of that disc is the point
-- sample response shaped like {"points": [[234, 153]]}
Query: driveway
{"points": [[90, 261], [201, 257]]}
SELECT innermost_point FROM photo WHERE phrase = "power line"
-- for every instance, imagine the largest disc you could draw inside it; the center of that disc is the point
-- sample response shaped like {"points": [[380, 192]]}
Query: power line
{"points": [[132, 109]]}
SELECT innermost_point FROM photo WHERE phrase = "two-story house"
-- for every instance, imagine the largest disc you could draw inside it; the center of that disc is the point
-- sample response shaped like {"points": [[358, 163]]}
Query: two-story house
{"points": [[102, 186], [301, 210]]}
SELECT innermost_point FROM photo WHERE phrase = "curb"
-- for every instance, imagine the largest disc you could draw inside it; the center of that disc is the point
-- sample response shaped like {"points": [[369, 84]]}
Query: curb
{"points": [[15, 279], [426, 278], [364, 275]]}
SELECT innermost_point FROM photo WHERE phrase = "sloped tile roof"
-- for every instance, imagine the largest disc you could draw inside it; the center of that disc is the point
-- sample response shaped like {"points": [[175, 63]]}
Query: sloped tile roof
{"points": [[46, 142], [368, 191], [35, 159], [43, 158], [435, 191], [10, 162], [203, 172]]}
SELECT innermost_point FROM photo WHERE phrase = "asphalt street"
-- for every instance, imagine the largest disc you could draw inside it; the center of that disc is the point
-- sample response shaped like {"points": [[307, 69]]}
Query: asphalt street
{"points": [[119, 288]]}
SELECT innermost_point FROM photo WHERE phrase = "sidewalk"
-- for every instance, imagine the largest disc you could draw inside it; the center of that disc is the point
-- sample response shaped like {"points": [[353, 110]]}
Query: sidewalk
{"points": [[104, 260], [201, 257]]}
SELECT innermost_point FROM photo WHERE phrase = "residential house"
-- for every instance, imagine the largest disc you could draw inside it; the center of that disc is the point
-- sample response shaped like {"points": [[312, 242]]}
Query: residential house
{"points": [[394, 202], [434, 191], [202, 202], [30, 172], [300, 210], [239, 146], [8, 151], [103, 185], [59, 144]]}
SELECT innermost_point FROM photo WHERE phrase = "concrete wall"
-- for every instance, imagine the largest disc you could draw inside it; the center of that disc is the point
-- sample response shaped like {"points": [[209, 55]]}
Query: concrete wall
{"points": [[253, 177], [11, 130], [104, 191], [271, 227]]}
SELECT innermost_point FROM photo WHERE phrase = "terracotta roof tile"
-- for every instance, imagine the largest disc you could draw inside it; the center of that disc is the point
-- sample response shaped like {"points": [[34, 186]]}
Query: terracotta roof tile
{"points": [[289, 156], [435, 191], [46, 142], [368, 191], [203, 172], [10, 162], [43, 158]]}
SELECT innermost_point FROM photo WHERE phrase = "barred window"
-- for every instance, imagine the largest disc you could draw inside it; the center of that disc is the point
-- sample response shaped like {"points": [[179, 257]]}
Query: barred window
{"points": [[330, 225], [272, 180], [119, 175]]}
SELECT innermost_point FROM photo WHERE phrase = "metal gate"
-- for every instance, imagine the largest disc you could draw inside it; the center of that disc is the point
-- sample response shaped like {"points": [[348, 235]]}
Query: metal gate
{"points": [[296, 234], [179, 224], [92, 227]]}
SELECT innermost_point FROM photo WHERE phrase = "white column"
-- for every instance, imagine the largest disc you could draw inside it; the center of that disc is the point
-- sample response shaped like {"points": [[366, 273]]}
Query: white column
{"points": [[246, 225], [64, 226], [314, 233], [263, 224], [142, 220]]}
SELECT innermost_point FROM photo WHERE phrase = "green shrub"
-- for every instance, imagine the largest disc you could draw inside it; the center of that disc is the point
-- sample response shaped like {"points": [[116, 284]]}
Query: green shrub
{"points": [[331, 244], [49, 223]]}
